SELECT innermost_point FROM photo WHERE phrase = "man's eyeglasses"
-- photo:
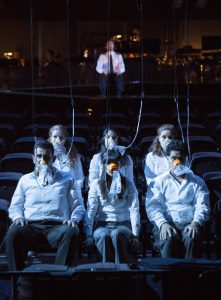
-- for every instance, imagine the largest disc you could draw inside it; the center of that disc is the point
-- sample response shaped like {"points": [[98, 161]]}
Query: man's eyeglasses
{"points": [[46, 157]]}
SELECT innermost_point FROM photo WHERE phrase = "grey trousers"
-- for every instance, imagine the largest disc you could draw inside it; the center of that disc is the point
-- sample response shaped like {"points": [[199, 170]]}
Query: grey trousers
{"points": [[111, 239], [179, 246]]}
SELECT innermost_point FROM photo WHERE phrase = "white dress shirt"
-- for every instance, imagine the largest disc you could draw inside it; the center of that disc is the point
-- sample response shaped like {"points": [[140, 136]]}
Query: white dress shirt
{"points": [[58, 201], [76, 171], [103, 63], [96, 166], [169, 201], [114, 209], [154, 166]]}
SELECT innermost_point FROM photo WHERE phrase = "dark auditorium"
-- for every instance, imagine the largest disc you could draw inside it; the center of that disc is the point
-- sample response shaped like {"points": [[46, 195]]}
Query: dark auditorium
{"points": [[110, 150]]}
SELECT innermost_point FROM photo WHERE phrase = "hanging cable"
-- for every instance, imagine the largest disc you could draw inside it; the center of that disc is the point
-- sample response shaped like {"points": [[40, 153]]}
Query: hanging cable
{"points": [[69, 74], [107, 121], [140, 8], [175, 89], [187, 80], [34, 127]]}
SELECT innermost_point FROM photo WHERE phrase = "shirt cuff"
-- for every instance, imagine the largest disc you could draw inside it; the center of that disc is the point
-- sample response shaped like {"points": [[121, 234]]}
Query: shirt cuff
{"points": [[160, 222]]}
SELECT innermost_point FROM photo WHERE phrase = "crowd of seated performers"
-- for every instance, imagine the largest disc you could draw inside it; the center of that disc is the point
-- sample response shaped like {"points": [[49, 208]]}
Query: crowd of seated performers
{"points": [[48, 205]]}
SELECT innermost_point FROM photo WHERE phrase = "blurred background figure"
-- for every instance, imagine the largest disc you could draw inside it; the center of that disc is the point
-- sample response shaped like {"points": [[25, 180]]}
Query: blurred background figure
{"points": [[110, 66]]}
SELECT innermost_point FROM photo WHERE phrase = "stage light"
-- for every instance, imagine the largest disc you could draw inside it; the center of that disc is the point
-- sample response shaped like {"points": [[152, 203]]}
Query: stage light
{"points": [[8, 55], [86, 53], [89, 111]]}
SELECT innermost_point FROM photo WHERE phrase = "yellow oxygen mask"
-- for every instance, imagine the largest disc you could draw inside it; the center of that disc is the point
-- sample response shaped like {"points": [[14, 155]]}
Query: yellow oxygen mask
{"points": [[113, 166], [176, 162]]}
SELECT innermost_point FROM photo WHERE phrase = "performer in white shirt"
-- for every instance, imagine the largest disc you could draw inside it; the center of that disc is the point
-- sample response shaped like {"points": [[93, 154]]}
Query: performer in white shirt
{"points": [[156, 161], [113, 211], [109, 141], [66, 160], [110, 65], [177, 203], [45, 206]]}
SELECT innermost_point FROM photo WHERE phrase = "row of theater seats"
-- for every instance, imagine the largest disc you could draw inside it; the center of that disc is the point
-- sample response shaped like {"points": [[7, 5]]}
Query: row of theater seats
{"points": [[16, 157], [200, 137]]}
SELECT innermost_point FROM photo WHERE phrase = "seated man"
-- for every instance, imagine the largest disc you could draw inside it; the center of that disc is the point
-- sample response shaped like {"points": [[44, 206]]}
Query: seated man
{"points": [[113, 211], [177, 203], [45, 207]]}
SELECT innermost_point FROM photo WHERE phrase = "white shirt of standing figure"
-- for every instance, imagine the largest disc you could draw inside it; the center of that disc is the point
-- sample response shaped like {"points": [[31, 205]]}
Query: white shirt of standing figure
{"points": [[103, 63]]}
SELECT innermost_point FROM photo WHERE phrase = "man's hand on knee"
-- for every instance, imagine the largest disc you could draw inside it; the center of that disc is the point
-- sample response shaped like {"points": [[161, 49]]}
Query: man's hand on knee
{"points": [[167, 230], [193, 229], [20, 221]]}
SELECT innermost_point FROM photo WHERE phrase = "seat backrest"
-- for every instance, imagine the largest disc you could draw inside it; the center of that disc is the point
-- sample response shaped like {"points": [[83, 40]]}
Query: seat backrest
{"points": [[213, 182], [46, 118], [201, 143], [17, 162], [146, 130], [15, 119], [25, 144], [83, 130], [80, 143], [145, 144], [195, 129], [8, 183], [42, 130], [8, 133], [203, 162], [151, 118]]}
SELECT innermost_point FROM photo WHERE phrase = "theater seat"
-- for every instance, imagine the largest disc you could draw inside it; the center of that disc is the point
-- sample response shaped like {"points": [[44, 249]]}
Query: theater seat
{"points": [[202, 162], [17, 162], [8, 183]]}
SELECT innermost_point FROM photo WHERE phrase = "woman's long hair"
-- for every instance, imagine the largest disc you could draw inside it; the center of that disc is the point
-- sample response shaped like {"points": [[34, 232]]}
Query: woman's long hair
{"points": [[102, 149], [72, 155], [106, 158], [155, 147]]}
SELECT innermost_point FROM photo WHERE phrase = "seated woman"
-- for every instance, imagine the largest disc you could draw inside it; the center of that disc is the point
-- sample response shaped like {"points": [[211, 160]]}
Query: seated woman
{"points": [[67, 159], [110, 140], [156, 161], [113, 210]]}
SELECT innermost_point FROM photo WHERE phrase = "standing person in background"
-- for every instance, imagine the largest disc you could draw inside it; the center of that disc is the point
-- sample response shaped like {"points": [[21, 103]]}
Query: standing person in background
{"points": [[51, 70], [66, 160], [110, 66], [109, 141], [113, 211], [156, 161]]}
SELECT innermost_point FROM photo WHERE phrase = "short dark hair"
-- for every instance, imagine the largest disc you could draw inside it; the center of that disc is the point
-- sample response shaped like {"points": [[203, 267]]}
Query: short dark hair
{"points": [[44, 145], [110, 156], [176, 145]]}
